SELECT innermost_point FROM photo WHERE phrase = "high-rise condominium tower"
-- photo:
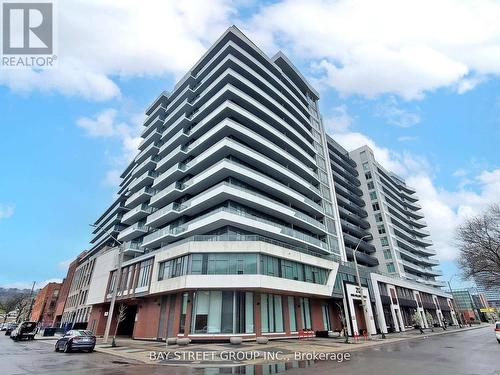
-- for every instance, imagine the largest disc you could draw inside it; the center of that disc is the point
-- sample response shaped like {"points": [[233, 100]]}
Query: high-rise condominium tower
{"points": [[396, 220], [227, 214]]}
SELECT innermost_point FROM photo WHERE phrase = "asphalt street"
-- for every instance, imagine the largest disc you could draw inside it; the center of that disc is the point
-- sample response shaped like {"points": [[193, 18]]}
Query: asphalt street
{"points": [[468, 352]]}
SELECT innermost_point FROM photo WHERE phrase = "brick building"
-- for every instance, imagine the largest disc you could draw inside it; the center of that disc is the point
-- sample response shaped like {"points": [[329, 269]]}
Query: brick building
{"points": [[65, 288], [44, 307]]}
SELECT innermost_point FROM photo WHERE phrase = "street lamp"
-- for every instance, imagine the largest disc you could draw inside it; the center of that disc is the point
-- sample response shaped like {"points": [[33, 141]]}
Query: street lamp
{"points": [[363, 303], [116, 286]]}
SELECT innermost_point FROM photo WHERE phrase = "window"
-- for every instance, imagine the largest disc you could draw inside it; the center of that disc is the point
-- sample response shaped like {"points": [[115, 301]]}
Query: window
{"points": [[366, 167], [330, 225], [370, 185], [363, 156], [292, 314], [323, 177], [326, 317], [381, 229], [271, 313], [387, 254], [378, 217], [384, 241], [368, 175], [144, 272], [306, 313], [325, 191], [373, 195], [328, 208], [391, 268], [321, 161], [182, 323], [112, 282], [376, 206]]}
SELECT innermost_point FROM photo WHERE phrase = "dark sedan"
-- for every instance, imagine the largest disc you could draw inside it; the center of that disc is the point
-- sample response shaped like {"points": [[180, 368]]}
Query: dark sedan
{"points": [[76, 339]]}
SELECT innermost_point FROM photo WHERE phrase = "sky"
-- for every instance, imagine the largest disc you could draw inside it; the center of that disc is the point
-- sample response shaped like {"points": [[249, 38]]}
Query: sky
{"points": [[419, 82]]}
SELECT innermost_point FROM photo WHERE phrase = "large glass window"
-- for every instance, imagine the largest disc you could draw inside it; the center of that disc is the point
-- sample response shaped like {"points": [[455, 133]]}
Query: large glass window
{"points": [[292, 314], [390, 267], [306, 313], [239, 264], [326, 317], [182, 323], [271, 313], [144, 272], [384, 241], [223, 312]]}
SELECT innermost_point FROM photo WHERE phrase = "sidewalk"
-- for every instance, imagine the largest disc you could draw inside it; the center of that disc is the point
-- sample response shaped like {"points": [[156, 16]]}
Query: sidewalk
{"points": [[251, 353]]}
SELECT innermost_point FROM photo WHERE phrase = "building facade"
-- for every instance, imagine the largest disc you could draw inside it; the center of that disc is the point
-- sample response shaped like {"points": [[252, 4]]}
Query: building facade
{"points": [[402, 242], [64, 292], [76, 309], [351, 206], [228, 213], [240, 216], [44, 306]]}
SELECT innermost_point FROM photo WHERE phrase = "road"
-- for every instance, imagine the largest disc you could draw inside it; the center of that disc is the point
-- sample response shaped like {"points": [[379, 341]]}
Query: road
{"points": [[468, 352]]}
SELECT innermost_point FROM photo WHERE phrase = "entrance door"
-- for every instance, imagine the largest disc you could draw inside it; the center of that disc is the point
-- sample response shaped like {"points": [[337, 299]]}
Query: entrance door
{"points": [[360, 316], [126, 328]]}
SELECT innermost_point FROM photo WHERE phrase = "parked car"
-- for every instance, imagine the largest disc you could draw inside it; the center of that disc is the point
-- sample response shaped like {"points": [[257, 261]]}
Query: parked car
{"points": [[3, 326], [25, 330], [497, 331], [76, 339], [9, 328]]}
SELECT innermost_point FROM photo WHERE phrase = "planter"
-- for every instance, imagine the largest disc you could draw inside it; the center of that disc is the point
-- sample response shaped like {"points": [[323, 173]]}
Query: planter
{"points": [[235, 340], [262, 340], [171, 340], [183, 341]]}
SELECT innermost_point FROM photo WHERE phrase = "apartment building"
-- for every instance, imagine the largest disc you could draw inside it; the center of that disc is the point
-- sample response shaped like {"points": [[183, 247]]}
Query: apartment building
{"points": [[64, 291], [402, 242], [76, 309], [44, 306], [351, 205], [228, 213]]}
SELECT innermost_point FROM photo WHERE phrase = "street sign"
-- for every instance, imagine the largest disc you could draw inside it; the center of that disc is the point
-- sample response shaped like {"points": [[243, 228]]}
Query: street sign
{"points": [[487, 310]]}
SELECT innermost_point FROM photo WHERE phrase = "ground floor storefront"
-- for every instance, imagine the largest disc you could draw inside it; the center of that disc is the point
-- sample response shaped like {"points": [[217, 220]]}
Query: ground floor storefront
{"points": [[218, 315]]}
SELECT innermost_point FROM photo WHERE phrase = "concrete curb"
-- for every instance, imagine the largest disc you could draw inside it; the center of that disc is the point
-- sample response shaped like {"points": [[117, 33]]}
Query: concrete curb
{"points": [[139, 352]]}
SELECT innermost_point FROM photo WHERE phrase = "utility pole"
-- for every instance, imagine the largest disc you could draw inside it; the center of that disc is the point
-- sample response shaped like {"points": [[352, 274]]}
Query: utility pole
{"points": [[31, 301], [363, 302], [118, 277]]}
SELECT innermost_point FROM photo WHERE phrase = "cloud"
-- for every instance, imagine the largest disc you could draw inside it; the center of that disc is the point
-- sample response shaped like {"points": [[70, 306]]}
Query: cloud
{"points": [[6, 210], [444, 209], [339, 121], [63, 265], [407, 138], [394, 115], [102, 41], [388, 46], [106, 124]]}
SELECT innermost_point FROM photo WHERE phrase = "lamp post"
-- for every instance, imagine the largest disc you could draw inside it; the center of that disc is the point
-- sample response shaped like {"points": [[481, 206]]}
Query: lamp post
{"points": [[363, 302], [116, 286]]}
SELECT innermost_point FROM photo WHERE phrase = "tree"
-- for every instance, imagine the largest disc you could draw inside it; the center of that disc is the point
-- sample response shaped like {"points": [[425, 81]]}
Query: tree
{"points": [[122, 314], [479, 245], [430, 320], [17, 303]]}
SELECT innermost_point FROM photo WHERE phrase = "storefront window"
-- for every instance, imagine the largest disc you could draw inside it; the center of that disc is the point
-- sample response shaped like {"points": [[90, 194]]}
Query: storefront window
{"points": [[223, 312], [271, 313]]}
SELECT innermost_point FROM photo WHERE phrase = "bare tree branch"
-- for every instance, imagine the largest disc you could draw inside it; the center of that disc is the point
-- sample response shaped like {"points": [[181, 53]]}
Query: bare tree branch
{"points": [[478, 240]]}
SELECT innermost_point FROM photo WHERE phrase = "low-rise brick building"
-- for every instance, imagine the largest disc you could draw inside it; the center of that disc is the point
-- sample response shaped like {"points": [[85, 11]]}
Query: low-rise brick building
{"points": [[44, 307]]}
